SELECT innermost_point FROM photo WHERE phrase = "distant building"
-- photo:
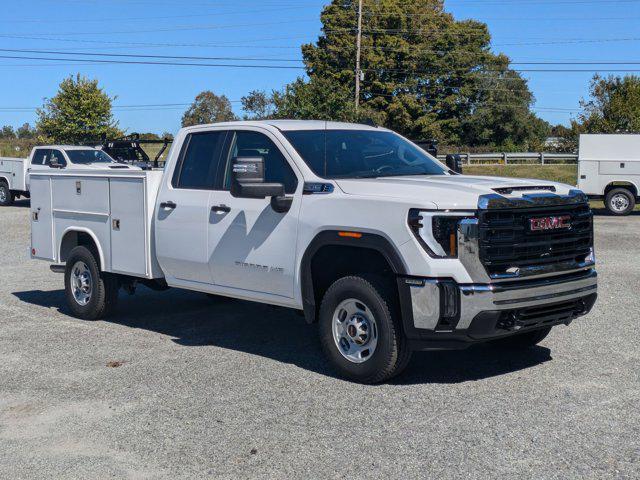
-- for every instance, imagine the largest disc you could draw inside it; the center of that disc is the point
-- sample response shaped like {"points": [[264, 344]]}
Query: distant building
{"points": [[553, 142]]}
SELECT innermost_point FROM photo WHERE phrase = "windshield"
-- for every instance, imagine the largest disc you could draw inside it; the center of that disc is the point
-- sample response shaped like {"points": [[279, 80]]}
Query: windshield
{"points": [[361, 154], [88, 156]]}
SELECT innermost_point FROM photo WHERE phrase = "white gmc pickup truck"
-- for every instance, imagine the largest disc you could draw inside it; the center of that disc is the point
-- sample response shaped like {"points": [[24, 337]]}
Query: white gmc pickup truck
{"points": [[383, 246], [14, 172]]}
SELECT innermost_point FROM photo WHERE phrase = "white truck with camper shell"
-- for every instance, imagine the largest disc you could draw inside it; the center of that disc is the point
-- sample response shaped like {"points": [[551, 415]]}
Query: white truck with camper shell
{"points": [[609, 170], [387, 249], [14, 172]]}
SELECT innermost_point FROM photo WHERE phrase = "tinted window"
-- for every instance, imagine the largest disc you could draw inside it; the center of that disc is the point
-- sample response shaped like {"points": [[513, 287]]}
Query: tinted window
{"points": [[276, 167], [199, 161], [89, 155], [56, 155], [361, 153], [40, 156]]}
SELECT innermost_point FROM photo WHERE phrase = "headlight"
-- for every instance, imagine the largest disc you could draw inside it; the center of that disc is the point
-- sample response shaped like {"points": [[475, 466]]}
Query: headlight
{"points": [[437, 232]]}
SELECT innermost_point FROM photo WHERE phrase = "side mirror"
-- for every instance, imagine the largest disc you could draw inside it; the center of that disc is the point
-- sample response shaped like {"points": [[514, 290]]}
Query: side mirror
{"points": [[454, 162], [248, 180], [55, 164]]}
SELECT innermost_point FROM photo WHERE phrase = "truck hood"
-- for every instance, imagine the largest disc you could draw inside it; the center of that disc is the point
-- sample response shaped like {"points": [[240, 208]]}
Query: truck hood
{"points": [[448, 191]]}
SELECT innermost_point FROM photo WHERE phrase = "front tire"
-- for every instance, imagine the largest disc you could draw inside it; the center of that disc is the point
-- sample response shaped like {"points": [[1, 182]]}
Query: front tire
{"points": [[620, 201], [360, 330], [6, 196], [91, 294]]}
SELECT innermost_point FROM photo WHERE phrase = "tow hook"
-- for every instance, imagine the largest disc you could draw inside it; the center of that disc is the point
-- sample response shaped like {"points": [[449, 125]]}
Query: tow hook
{"points": [[510, 322]]}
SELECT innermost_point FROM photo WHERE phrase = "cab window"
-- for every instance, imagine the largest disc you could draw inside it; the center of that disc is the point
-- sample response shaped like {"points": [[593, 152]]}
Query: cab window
{"points": [[40, 157], [199, 161], [255, 144], [56, 156]]}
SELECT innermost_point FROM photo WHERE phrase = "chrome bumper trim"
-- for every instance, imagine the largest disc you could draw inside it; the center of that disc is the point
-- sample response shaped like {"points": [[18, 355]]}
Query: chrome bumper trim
{"points": [[478, 298], [474, 300]]}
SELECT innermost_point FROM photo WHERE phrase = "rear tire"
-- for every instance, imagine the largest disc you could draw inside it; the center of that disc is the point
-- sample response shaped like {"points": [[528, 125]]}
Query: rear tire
{"points": [[91, 294], [522, 340], [360, 330], [620, 201], [6, 196]]}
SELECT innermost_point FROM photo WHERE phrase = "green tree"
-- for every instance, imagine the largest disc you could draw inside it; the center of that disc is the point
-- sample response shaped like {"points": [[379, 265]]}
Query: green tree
{"points": [[258, 105], [613, 106], [208, 108], [149, 136], [26, 132], [320, 99], [425, 75], [7, 132], [80, 110]]}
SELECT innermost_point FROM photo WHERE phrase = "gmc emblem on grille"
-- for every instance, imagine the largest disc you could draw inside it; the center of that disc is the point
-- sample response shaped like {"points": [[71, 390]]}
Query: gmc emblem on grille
{"points": [[549, 223]]}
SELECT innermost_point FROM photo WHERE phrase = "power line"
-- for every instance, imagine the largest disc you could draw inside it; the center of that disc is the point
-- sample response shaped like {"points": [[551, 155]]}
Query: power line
{"points": [[144, 44], [130, 55], [141, 62], [146, 19], [190, 28], [271, 59]]}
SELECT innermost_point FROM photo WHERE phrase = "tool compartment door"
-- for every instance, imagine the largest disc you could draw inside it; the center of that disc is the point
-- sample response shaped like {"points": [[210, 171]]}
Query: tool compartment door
{"points": [[42, 243], [128, 232]]}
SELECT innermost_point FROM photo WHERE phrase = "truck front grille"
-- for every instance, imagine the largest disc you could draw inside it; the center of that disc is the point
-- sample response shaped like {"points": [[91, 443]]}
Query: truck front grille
{"points": [[507, 243]]}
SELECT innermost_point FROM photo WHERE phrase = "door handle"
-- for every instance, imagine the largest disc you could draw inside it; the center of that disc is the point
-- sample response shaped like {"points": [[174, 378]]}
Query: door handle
{"points": [[170, 205], [220, 209]]}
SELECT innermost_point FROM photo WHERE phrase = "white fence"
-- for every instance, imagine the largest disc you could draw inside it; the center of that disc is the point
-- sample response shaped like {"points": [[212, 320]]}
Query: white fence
{"points": [[505, 158]]}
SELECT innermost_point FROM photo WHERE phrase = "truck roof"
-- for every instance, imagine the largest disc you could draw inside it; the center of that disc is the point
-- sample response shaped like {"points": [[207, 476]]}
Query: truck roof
{"points": [[286, 125], [67, 147]]}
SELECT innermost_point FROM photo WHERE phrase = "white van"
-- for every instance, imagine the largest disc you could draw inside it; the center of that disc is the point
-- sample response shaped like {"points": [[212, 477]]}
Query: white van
{"points": [[609, 169]]}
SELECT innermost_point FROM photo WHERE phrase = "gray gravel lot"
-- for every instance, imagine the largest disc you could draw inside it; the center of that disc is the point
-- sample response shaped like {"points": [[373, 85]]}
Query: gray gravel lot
{"points": [[227, 389]]}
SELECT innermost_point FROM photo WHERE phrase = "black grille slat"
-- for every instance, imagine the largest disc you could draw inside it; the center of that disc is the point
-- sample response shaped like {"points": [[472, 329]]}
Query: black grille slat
{"points": [[507, 242], [561, 312]]}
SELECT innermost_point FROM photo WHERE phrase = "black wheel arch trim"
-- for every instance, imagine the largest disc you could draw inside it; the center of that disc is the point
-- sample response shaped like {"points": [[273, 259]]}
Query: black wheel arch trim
{"points": [[371, 241]]}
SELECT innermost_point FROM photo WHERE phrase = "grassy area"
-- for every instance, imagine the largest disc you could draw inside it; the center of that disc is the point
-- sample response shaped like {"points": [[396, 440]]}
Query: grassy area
{"points": [[557, 173]]}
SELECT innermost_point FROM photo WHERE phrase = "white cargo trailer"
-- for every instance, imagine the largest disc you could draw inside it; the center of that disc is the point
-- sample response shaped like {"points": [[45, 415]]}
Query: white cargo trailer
{"points": [[609, 169]]}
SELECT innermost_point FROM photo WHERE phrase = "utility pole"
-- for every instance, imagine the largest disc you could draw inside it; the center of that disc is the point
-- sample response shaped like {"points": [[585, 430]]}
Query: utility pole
{"points": [[358, 47]]}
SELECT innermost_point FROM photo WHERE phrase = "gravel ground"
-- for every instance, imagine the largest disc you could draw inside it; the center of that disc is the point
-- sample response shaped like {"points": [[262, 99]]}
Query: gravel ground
{"points": [[180, 386]]}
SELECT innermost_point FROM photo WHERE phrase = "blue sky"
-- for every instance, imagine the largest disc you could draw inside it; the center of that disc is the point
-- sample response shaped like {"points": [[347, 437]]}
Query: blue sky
{"points": [[153, 97]]}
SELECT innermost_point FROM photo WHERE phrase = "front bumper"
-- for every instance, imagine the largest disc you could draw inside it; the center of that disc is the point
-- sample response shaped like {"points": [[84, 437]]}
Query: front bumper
{"points": [[442, 314]]}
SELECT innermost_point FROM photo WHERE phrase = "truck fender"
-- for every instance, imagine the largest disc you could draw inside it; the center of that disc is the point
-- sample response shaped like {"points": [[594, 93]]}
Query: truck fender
{"points": [[93, 237], [621, 184], [372, 241]]}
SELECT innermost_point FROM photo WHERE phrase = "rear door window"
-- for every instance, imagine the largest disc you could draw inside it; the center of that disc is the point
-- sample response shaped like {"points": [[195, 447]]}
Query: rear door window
{"points": [[40, 156], [199, 161]]}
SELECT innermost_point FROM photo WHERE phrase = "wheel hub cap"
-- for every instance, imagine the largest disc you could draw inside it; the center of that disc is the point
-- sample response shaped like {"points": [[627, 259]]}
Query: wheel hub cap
{"points": [[355, 331], [3, 195], [81, 283], [620, 202]]}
